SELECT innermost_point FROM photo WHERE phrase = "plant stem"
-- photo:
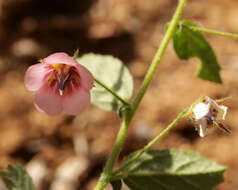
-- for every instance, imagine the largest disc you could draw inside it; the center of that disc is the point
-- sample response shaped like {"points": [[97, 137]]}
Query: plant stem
{"points": [[105, 176], [111, 91], [195, 28], [152, 142], [169, 34]]}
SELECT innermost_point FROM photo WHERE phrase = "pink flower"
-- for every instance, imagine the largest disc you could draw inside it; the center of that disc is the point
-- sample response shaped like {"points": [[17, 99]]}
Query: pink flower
{"points": [[61, 84]]}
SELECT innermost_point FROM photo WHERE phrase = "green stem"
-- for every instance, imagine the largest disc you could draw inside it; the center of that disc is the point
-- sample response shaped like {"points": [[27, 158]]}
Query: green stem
{"points": [[152, 142], [195, 28], [111, 91], [107, 172], [169, 34], [106, 175]]}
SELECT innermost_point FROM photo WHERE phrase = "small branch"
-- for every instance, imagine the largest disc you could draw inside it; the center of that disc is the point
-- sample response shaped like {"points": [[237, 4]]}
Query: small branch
{"points": [[152, 142], [111, 91], [204, 30]]}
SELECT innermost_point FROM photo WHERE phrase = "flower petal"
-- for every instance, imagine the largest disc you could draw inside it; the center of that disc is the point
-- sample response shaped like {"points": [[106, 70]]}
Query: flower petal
{"points": [[200, 110], [201, 130], [222, 113], [85, 76], [222, 110], [60, 58], [34, 76], [38, 108], [47, 101], [63, 58], [76, 102]]}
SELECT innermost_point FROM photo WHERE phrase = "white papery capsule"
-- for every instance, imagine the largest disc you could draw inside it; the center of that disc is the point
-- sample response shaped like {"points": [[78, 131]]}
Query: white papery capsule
{"points": [[206, 114]]}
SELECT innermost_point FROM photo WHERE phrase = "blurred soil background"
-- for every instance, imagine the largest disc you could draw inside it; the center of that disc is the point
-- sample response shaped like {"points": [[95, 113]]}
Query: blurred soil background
{"points": [[67, 152]]}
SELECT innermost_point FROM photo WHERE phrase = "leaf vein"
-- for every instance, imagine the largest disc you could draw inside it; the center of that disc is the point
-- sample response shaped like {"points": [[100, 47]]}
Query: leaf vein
{"points": [[159, 182], [189, 182], [137, 186]]}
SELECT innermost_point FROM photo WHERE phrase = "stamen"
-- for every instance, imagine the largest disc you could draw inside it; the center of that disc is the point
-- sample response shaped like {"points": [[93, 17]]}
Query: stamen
{"points": [[62, 80], [61, 92]]}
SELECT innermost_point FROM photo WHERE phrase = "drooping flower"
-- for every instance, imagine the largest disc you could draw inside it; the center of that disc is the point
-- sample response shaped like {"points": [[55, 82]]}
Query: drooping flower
{"points": [[206, 114], [61, 84]]}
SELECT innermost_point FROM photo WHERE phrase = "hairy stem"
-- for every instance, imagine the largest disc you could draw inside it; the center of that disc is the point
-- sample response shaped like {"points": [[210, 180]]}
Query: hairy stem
{"points": [[152, 142], [159, 54], [111, 91], [107, 173], [204, 30]]}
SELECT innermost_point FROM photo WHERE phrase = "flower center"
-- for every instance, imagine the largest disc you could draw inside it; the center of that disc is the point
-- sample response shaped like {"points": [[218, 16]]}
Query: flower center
{"points": [[63, 78]]}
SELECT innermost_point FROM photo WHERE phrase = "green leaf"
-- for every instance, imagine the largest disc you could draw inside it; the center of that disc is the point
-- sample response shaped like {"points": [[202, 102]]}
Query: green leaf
{"points": [[189, 43], [16, 178], [110, 71], [173, 170], [116, 184]]}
